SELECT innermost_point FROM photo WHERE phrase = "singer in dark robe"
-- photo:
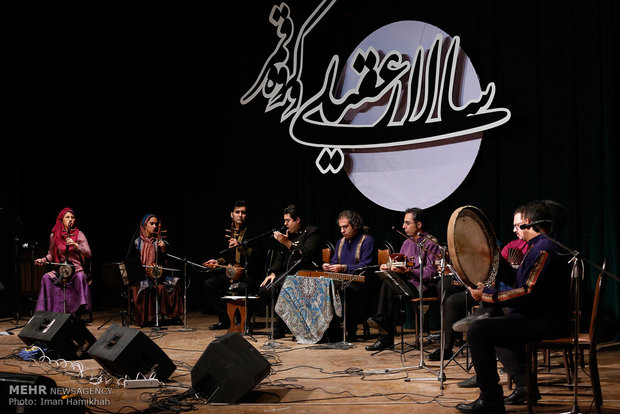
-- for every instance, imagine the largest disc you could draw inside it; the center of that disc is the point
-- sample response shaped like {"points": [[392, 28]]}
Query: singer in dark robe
{"points": [[67, 244], [152, 250], [354, 252], [297, 244]]}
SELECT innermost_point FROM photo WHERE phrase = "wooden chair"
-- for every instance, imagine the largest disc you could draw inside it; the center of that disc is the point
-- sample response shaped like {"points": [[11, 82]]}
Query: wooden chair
{"points": [[327, 251], [567, 345], [426, 302], [384, 250]]}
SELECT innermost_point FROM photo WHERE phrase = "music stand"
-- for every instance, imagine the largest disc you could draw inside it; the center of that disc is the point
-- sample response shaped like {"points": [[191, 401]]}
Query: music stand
{"points": [[402, 290], [346, 344], [272, 343], [185, 288], [464, 348]]}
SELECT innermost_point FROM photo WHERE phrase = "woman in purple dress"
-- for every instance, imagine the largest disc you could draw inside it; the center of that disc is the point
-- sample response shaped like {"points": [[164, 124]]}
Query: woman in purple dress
{"points": [[65, 289]]}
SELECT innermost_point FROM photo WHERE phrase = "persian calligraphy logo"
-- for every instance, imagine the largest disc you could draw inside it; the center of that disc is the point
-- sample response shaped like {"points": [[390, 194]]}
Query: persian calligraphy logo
{"points": [[404, 116]]}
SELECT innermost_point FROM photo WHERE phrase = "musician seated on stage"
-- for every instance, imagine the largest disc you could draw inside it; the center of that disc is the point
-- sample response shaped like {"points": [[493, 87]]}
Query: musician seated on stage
{"points": [[301, 245], [536, 308], [354, 252], [458, 304], [159, 288], [70, 294], [409, 270], [235, 270]]}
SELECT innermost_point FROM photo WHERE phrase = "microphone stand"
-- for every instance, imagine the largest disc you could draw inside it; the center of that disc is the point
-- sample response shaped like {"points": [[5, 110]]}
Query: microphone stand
{"points": [[63, 279], [272, 343], [421, 305], [186, 284], [577, 265], [442, 297], [346, 344], [422, 364]]}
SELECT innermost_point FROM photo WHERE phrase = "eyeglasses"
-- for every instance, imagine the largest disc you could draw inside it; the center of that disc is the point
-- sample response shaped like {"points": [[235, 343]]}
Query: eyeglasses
{"points": [[516, 226]]}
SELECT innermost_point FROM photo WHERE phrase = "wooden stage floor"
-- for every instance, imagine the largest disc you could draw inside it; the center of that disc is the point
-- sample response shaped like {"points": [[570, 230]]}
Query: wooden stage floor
{"points": [[304, 378]]}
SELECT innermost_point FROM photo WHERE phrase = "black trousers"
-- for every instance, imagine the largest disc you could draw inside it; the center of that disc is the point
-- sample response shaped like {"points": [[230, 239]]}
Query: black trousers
{"points": [[456, 306], [215, 287], [503, 337], [218, 285], [267, 294], [389, 300], [357, 298]]}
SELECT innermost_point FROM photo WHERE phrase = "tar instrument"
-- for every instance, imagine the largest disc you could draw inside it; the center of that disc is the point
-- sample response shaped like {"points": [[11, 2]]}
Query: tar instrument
{"points": [[399, 260], [331, 275], [515, 257], [233, 271], [155, 271], [65, 270], [472, 246]]}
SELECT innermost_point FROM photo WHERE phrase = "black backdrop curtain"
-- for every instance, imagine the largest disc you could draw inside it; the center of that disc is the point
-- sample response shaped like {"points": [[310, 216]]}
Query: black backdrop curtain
{"points": [[117, 109]]}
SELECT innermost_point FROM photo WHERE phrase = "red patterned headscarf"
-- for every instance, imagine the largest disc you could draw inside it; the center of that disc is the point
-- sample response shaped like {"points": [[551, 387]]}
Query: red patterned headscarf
{"points": [[145, 244], [60, 234]]}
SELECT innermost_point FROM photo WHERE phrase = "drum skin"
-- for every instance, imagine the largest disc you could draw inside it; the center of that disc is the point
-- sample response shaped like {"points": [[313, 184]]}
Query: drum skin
{"points": [[472, 246]]}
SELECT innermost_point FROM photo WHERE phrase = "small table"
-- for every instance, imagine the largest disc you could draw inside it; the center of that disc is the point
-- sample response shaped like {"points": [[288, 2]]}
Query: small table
{"points": [[307, 306], [237, 312]]}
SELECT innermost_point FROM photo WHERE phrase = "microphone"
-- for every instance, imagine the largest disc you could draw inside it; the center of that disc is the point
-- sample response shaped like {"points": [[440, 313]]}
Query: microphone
{"points": [[363, 269], [400, 232], [534, 224]]}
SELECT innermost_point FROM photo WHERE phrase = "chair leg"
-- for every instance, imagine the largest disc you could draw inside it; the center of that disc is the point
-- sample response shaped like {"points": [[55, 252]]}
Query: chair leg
{"points": [[532, 373], [595, 380], [569, 364]]}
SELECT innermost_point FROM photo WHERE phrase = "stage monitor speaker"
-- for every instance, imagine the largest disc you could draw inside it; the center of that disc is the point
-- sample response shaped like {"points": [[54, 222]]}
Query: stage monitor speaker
{"points": [[126, 351], [59, 332], [228, 369]]}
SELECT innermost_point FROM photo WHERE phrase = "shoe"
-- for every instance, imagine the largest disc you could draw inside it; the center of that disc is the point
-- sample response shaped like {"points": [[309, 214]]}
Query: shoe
{"points": [[519, 396], [380, 345], [436, 355], [471, 382], [373, 323], [482, 406], [219, 325], [277, 334], [463, 324], [433, 337]]}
